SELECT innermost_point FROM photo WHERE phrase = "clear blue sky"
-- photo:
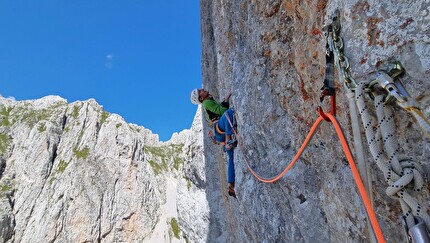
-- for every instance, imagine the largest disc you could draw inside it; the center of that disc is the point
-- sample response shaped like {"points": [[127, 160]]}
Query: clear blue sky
{"points": [[139, 59]]}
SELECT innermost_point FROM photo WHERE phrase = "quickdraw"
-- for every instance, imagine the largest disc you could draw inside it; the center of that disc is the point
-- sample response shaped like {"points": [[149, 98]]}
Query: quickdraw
{"points": [[328, 86]]}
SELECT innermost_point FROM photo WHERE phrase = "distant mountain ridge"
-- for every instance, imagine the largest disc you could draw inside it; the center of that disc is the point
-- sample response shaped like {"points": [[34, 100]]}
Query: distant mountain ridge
{"points": [[76, 173]]}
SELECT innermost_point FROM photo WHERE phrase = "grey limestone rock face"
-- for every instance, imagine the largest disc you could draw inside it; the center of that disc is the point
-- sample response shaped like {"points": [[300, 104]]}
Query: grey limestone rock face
{"points": [[76, 173], [271, 56]]}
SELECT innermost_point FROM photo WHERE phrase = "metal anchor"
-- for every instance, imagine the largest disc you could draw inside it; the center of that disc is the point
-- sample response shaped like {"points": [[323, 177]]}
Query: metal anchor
{"points": [[417, 233], [388, 79]]}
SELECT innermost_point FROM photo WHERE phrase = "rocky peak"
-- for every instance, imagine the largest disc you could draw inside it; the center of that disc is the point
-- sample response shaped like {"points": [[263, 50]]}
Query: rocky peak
{"points": [[74, 173]]}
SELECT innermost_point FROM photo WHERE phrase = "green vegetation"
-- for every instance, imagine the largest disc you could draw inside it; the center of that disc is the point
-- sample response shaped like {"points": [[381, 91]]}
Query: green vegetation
{"points": [[52, 179], [177, 162], [175, 227], [177, 147], [157, 168], [81, 154], [4, 143], [5, 113], [156, 151], [75, 113], [25, 113], [169, 156], [31, 117], [105, 115], [176, 150], [41, 128], [118, 125], [5, 187], [62, 166]]}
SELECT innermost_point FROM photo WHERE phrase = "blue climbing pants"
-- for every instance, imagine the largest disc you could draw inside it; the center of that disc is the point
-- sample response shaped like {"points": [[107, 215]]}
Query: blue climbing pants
{"points": [[225, 126], [230, 169]]}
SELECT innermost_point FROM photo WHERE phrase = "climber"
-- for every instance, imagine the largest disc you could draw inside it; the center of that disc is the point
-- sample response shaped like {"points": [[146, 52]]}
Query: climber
{"points": [[218, 114]]}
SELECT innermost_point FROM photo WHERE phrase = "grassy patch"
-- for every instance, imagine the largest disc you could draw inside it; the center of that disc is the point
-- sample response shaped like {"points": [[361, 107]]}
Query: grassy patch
{"points": [[52, 179], [175, 227], [75, 113], [31, 117], [28, 115], [81, 154], [105, 115], [5, 115], [5, 112], [62, 166], [4, 143], [5, 188], [177, 162], [41, 128], [156, 151], [169, 156], [157, 168], [177, 147], [118, 125]]}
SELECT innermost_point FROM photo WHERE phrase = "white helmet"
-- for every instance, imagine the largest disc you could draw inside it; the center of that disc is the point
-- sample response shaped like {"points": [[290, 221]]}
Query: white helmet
{"points": [[194, 96]]}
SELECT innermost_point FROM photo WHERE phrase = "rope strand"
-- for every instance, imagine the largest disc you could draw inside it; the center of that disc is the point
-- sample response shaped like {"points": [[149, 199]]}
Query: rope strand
{"points": [[362, 190]]}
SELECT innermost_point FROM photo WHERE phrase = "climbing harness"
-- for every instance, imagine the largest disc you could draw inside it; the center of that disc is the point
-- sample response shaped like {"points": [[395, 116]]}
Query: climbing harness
{"points": [[219, 130], [212, 133]]}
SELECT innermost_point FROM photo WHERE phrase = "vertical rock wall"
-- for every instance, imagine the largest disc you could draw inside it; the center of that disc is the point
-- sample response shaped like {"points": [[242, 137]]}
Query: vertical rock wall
{"points": [[271, 56]]}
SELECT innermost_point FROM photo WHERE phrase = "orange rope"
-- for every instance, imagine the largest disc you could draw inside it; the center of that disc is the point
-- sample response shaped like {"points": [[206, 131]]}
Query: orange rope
{"points": [[370, 212], [290, 165]]}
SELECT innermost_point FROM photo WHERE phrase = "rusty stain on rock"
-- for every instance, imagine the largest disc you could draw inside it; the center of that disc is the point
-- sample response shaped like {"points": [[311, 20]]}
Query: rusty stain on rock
{"points": [[359, 8], [406, 23], [372, 31]]}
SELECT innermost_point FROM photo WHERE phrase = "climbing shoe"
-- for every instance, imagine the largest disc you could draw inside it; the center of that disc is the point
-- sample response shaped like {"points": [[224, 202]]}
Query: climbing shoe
{"points": [[231, 144], [231, 192]]}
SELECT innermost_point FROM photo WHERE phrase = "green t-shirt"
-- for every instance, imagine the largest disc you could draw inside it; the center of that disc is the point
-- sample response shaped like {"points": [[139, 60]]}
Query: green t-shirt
{"points": [[213, 109]]}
